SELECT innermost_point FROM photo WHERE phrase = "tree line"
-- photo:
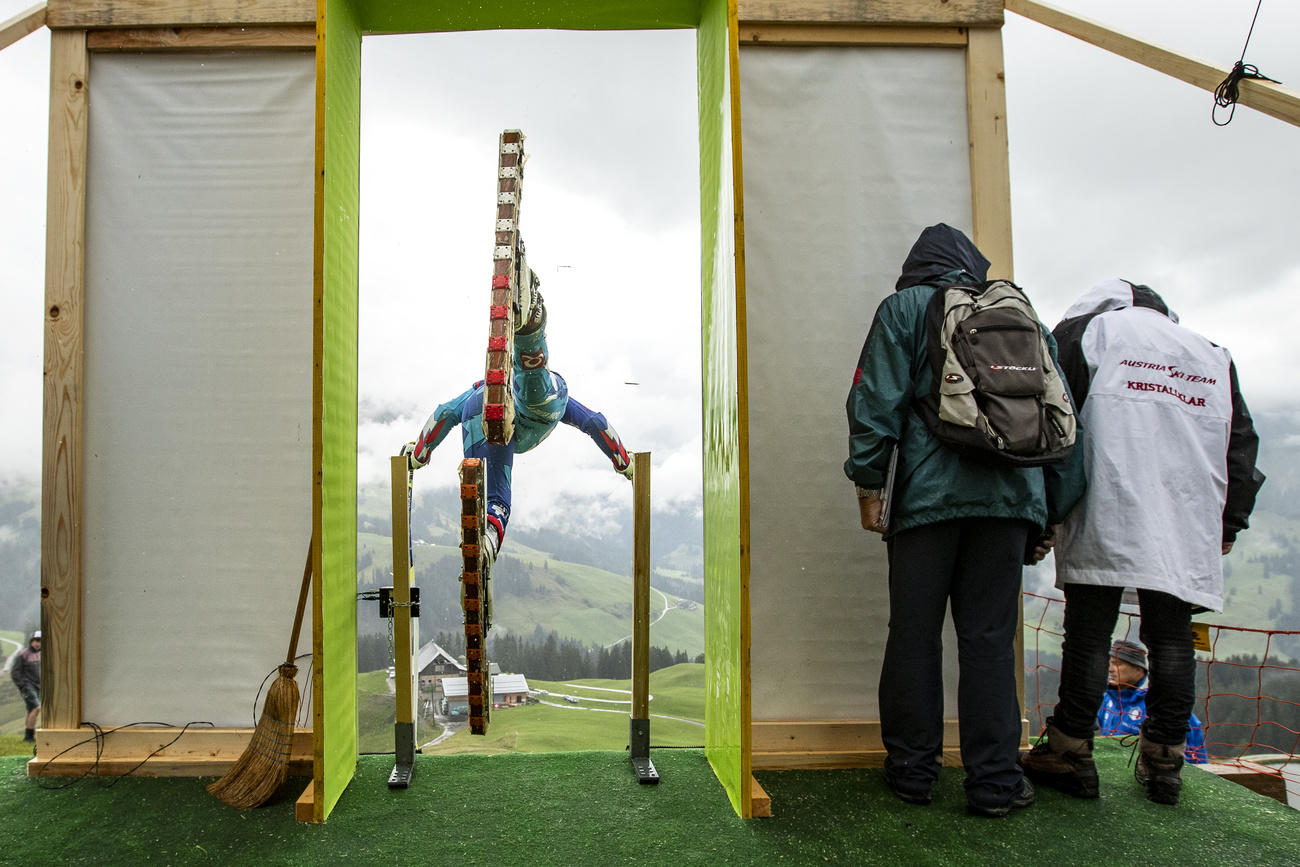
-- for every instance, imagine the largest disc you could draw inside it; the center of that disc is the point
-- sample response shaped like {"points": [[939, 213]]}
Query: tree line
{"points": [[548, 656]]}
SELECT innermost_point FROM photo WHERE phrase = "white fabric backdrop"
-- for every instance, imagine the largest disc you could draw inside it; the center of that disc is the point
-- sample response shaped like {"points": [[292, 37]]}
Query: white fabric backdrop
{"points": [[198, 417], [849, 152]]}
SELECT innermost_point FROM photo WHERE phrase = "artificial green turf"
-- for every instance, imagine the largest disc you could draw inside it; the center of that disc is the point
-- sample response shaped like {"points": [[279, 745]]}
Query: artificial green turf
{"points": [[585, 808]]}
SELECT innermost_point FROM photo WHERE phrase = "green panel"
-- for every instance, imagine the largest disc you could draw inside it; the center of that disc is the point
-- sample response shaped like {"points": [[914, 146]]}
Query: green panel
{"points": [[338, 665], [725, 686], [403, 16], [727, 712]]}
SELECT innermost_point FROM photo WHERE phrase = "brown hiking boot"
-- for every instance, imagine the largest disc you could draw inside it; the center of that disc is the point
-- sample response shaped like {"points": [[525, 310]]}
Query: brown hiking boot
{"points": [[1063, 763], [1160, 769]]}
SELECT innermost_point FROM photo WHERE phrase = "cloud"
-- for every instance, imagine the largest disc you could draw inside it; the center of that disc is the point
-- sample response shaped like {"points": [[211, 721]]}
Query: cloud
{"points": [[1117, 170]]}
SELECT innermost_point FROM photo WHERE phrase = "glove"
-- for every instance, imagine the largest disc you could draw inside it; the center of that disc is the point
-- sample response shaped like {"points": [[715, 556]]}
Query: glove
{"points": [[626, 471], [408, 451]]}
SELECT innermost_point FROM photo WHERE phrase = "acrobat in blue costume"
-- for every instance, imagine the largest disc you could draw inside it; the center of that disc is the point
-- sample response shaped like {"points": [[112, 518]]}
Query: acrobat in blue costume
{"points": [[541, 401]]}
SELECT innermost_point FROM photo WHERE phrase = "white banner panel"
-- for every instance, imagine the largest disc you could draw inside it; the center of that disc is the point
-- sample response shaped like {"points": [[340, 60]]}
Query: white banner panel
{"points": [[849, 152], [198, 361]]}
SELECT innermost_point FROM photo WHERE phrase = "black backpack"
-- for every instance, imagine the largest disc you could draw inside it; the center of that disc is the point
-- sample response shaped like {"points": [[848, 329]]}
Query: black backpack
{"points": [[996, 394]]}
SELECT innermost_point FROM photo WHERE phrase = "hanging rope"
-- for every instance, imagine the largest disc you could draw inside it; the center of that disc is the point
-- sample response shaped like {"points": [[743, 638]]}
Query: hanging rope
{"points": [[1225, 95]]}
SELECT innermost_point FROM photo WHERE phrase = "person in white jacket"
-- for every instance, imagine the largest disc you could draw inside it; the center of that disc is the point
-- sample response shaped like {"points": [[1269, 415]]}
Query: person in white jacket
{"points": [[1169, 457]]}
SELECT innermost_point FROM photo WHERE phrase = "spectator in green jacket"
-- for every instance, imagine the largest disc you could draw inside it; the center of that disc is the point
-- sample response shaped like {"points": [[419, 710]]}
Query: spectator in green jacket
{"points": [[959, 532]]}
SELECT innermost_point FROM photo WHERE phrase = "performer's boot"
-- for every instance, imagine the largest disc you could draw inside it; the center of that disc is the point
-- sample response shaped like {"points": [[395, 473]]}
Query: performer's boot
{"points": [[29, 735], [1062, 762], [535, 318], [1159, 769]]}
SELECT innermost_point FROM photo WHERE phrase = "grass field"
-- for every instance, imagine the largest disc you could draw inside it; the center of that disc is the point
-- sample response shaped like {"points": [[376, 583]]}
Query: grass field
{"points": [[598, 720]]}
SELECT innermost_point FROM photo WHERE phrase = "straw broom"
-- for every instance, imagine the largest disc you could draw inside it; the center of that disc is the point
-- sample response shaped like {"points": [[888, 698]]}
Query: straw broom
{"points": [[262, 768]]}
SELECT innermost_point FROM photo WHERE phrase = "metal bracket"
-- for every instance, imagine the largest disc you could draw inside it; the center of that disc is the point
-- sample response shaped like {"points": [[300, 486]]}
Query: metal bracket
{"points": [[400, 778], [639, 746], [386, 603]]}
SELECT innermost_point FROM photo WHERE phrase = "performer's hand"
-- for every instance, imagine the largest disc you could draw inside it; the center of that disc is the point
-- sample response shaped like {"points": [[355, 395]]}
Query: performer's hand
{"points": [[869, 510], [626, 471], [1227, 546], [408, 450]]}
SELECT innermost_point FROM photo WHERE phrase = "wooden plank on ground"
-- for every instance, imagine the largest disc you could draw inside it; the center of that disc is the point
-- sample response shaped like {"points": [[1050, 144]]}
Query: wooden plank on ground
{"points": [[297, 36], [1268, 97], [21, 24], [168, 13], [1260, 779], [986, 13], [759, 801], [304, 809], [61, 460], [164, 752], [787, 34]]}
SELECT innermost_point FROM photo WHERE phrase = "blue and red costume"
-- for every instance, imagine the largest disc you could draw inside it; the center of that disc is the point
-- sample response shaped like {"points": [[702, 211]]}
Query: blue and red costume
{"points": [[541, 402]]}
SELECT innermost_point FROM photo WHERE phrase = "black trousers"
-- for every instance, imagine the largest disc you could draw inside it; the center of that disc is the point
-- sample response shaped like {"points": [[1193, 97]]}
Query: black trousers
{"points": [[1166, 630], [974, 563]]}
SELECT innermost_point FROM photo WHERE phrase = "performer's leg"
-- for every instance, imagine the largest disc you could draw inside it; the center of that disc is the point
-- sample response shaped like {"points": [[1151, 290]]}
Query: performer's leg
{"points": [[534, 385], [499, 460]]}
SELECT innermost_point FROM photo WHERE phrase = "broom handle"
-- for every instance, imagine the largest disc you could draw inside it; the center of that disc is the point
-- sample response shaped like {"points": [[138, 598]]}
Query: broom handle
{"points": [[302, 606]]}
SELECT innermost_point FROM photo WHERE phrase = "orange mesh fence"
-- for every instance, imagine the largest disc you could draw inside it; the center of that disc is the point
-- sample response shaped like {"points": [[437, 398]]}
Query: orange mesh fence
{"points": [[1248, 686]]}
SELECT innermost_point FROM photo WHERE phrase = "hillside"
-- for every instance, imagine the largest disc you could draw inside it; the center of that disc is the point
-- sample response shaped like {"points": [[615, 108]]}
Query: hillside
{"points": [[531, 590]]}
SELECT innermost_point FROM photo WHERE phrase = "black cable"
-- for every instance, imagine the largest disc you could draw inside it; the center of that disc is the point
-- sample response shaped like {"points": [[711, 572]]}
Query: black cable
{"points": [[1225, 95], [99, 737]]}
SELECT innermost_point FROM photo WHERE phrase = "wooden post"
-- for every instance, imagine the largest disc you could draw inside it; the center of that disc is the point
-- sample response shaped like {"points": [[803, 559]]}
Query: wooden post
{"points": [[61, 472], [639, 732], [404, 729]]}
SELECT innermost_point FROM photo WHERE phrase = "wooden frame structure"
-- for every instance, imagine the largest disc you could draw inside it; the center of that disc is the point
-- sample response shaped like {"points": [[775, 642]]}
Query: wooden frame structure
{"points": [[81, 27], [974, 27]]}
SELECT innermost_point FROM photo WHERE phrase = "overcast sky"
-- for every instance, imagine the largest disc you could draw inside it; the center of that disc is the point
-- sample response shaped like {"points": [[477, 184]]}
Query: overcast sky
{"points": [[1116, 171]]}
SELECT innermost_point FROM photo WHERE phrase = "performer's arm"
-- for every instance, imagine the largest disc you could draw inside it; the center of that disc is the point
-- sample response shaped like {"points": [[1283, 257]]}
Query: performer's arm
{"points": [[440, 423], [593, 424]]}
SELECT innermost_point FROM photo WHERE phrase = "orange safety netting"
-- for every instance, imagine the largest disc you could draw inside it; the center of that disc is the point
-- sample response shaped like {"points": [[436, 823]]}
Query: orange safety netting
{"points": [[1248, 686]]}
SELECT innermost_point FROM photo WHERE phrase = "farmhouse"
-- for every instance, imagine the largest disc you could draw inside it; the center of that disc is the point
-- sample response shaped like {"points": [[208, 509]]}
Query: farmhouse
{"points": [[434, 664]]}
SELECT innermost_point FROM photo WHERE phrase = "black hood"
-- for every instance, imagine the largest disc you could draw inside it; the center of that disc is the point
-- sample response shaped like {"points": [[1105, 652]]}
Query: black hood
{"points": [[941, 249]]}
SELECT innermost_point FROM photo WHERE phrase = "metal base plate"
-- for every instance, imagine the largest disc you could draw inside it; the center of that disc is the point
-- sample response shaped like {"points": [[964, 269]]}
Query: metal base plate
{"points": [[645, 771]]}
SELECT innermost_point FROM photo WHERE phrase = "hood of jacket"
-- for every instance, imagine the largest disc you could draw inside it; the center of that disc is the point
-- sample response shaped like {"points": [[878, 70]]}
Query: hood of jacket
{"points": [[940, 250], [1117, 294]]}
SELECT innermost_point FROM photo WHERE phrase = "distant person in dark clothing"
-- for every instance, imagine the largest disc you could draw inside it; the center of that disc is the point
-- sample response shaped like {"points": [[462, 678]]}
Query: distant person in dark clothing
{"points": [[26, 674]]}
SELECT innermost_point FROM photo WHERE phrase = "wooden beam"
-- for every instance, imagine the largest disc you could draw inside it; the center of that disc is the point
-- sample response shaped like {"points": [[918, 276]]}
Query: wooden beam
{"points": [[304, 809], [849, 34], [760, 802], [972, 13], [294, 36], [21, 24], [641, 585], [742, 402], [1268, 97], [848, 743], [61, 459], [990, 168], [1260, 779], [198, 752], [80, 14], [401, 616]]}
